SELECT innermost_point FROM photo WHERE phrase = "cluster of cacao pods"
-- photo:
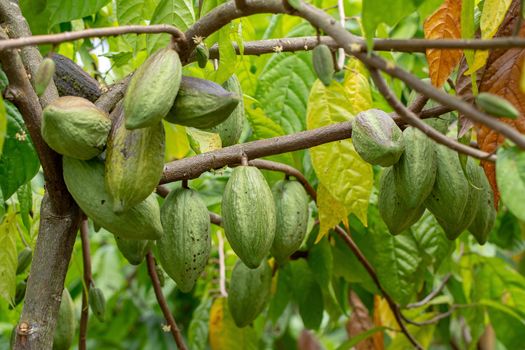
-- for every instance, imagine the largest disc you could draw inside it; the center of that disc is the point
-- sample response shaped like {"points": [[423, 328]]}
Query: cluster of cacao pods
{"points": [[422, 175]]}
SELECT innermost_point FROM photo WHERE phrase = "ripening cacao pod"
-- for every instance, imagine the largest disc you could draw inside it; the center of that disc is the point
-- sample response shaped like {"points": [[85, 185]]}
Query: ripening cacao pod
{"points": [[230, 130], [496, 106], [291, 209], [377, 138], [134, 250], [449, 199], [415, 172], [44, 75], [249, 292], [134, 162], [184, 248], [486, 214], [24, 260], [97, 303], [323, 64], [392, 206], [75, 127], [248, 213], [152, 89], [202, 54], [85, 182], [201, 104], [65, 329]]}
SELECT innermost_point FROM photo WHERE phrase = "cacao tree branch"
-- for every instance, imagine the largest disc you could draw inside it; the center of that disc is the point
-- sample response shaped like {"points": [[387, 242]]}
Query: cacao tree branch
{"points": [[86, 260], [177, 336]]}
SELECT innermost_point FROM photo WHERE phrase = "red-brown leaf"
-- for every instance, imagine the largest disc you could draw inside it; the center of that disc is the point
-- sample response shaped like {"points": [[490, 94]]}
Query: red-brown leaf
{"points": [[360, 322]]}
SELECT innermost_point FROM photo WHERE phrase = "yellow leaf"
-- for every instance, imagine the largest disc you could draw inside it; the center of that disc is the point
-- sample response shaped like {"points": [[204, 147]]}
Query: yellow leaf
{"points": [[331, 212], [383, 315], [357, 86], [339, 168], [480, 59], [208, 141], [177, 144]]}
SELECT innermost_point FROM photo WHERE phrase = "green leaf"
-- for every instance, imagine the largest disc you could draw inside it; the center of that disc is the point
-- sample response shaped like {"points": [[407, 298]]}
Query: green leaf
{"points": [[283, 88], [135, 11], [423, 334], [262, 126], [60, 11], [198, 328], [19, 162], [227, 57], [321, 262], [178, 13], [3, 123], [350, 343], [283, 294], [36, 15], [510, 175], [8, 257], [508, 326], [25, 199], [307, 294], [347, 177]]}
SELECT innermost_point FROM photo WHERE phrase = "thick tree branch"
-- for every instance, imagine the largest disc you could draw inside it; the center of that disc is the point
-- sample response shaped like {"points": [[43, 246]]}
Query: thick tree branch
{"points": [[86, 260]]}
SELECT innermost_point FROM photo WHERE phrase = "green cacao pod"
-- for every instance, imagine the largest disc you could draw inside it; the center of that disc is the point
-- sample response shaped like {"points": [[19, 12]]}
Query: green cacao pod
{"points": [[134, 163], [134, 250], [85, 182], [75, 127], [152, 89], [44, 75], [377, 138], [184, 249], [24, 260], [450, 198], [97, 303], [202, 54], [496, 106], [202, 104], [415, 173], [291, 209], [249, 292], [393, 209], [248, 213], [323, 64], [230, 130], [65, 329], [486, 214], [20, 292]]}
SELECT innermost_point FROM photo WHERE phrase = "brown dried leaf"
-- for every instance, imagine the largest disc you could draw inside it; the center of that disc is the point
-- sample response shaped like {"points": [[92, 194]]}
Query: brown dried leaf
{"points": [[360, 322], [445, 23], [307, 341]]}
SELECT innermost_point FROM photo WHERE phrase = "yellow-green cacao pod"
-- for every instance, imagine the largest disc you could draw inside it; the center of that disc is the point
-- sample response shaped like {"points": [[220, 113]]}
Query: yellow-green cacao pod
{"points": [[486, 214], [65, 329], [134, 250], [75, 127], [85, 182], [44, 75], [24, 260], [248, 213], [202, 54], [415, 173], [134, 163], [202, 104], [323, 63], [377, 138], [249, 292], [97, 303], [451, 199], [392, 206], [152, 89], [184, 248], [230, 130], [496, 106], [291, 208]]}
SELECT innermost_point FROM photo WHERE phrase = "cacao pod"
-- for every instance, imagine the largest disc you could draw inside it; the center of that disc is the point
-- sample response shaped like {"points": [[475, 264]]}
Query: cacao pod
{"points": [[20, 292], [65, 329], [496, 106], [449, 199], [152, 89], [230, 130], [202, 104], [85, 182], [134, 162], [24, 260], [415, 173], [392, 206], [249, 292], [377, 138], [323, 64], [202, 54], [184, 248], [248, 213], [291, 208], [97, 303], [134, 250], [486, 214], [44, 75], [75, 127]]}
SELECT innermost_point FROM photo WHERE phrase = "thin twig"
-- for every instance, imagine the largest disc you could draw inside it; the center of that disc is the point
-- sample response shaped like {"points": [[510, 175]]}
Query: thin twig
{"points": [[86, 260], [431, 295], [177, 336], [433, 320], [342, 21], [222, 265]]}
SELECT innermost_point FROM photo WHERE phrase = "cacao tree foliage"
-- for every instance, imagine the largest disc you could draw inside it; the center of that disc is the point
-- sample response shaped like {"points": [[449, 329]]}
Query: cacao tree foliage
{"points": [[419, 223]]}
